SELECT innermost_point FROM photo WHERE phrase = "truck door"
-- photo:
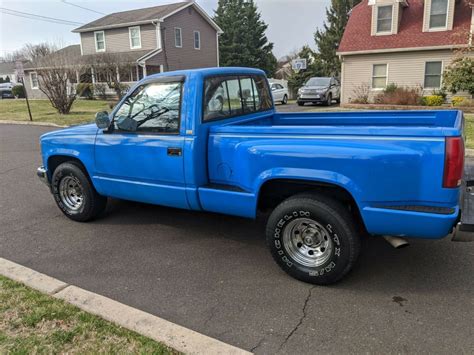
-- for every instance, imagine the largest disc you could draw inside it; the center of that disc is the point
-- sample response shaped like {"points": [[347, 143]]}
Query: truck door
{"points": [[141, 157]]}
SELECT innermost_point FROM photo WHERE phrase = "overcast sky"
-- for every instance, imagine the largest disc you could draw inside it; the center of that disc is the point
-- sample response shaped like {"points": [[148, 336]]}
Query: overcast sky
{"points": [[291, 22]]}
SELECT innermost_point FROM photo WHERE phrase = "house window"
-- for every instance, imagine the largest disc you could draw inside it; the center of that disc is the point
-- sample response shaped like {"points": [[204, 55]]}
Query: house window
{"points": [[135, 38], [438, 13], [178, 38], [34, 81], [433, 72], [99, 41], [379, 76], [197, 40], [384, 19]]}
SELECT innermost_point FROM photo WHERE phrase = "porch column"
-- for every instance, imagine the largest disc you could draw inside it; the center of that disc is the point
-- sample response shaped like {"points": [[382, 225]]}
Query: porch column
{"points": [[93, 75], [118, 73]]}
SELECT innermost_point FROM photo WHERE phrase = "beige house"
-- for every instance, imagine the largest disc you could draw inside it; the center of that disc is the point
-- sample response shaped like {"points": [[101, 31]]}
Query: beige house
{"points": [[406, 42], [150, 40]]}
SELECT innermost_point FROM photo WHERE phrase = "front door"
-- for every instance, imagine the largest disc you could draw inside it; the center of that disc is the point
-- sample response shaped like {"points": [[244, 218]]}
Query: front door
{"points": [[141, 157]]}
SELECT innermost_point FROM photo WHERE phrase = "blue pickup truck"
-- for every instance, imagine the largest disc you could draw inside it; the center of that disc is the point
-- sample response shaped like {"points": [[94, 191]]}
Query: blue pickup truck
{"points": [[211, 140]]}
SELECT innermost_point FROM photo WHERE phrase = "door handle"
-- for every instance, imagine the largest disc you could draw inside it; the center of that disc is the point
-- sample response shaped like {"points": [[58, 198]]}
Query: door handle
{"points": [[175, 152]]}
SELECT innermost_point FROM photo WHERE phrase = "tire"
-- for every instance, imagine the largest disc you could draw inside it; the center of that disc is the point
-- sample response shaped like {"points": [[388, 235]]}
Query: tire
{"points": [[329, 100], [300, 103], [306, 225], [74, 193], [285, 100]]}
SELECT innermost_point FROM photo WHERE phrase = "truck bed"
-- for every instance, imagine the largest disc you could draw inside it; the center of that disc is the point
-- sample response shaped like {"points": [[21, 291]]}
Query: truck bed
{"points": [[390, 162], [377, 123]]}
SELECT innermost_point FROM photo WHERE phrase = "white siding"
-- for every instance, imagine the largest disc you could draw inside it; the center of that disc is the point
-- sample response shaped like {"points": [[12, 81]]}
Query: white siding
{"points": [[404, 69]]}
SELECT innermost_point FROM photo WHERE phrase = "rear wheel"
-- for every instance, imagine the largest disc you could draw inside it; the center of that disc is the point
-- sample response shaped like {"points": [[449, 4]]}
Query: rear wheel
{"points": [[313, 239], [285, 100], [74, 194]]}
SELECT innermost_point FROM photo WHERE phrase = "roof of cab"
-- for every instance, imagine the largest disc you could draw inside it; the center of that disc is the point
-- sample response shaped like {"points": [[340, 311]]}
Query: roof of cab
{"points": [[211, 71]]}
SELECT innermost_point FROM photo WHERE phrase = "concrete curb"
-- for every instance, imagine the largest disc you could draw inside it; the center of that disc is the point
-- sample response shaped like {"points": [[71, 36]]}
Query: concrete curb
{"points": [[161, 330], [30, 123]]}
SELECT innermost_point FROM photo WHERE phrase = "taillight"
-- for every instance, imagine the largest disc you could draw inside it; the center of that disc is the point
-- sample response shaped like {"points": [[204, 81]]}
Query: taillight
{"points": [[453, 162]]}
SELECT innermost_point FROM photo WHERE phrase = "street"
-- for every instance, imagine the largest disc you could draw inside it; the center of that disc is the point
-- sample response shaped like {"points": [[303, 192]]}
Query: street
{"points": [[214, 274]]}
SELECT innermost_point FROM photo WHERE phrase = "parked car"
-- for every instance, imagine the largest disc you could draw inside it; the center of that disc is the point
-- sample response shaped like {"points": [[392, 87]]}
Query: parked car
{"points": [[280, 93], [320, 90], [6, 94], [190, 140]]}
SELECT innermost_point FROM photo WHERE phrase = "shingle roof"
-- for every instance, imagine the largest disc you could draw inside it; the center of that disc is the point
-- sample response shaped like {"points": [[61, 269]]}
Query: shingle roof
{"points": [[71, 55], [132, 16], [357, 36]]}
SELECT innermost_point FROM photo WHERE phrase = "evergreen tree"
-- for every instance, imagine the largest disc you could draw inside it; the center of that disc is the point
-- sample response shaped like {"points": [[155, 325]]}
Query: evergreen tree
{"points": [[328, 39], [244, 42]]}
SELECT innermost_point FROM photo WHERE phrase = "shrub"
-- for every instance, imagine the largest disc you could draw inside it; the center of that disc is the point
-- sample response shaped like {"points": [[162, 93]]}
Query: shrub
{"points": [[123, 88], [85, 90], [458, 75], [361, 94], [432, 100], [391, 88], [18, 91], [466, 103], [399, 96], [100, 90], [457, 101], [440, 92]]}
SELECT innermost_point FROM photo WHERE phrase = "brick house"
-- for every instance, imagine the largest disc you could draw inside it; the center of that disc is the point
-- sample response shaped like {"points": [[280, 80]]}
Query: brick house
{"points": [[406, 42], [151, 40]]}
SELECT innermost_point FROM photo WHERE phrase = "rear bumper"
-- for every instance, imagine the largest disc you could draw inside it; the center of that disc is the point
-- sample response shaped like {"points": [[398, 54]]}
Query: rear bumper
{"points": [[410, 224]]}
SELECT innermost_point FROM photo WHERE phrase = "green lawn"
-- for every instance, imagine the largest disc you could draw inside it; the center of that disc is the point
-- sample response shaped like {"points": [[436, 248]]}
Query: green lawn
{"points": [[469, 130], [31, 322], [82, 111]]}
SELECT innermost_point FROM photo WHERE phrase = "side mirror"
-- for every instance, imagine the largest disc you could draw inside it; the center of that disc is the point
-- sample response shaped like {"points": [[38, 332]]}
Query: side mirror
{"points": [[274, 88], [102, 120]]}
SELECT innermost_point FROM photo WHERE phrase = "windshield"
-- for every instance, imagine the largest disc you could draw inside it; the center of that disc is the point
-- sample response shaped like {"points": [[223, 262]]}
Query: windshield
{"points": [[153, 107], [318, 82]]}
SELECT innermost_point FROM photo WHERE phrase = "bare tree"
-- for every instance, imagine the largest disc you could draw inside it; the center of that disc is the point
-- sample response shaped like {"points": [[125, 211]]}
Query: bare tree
{"points": [[113, 69], [56, 69]]}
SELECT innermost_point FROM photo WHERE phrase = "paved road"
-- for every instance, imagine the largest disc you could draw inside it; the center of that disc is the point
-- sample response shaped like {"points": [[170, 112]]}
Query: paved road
{"points": [[213, 274]]}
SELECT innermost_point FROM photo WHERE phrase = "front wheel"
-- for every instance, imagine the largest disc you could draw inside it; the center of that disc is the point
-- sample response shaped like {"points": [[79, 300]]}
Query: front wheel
{"points": [[329, 100], [300, 103], [285, 100], [75, 195], [313, 239]]}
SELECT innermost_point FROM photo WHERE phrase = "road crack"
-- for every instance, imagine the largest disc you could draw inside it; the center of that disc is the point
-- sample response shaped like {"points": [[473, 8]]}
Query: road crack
{"points": [[302, 318], [258, 345]]}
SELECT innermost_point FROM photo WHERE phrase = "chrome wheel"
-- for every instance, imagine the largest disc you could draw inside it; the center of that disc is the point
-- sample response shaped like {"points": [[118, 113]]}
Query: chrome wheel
{"points": [[71, 193], [307, 242]]}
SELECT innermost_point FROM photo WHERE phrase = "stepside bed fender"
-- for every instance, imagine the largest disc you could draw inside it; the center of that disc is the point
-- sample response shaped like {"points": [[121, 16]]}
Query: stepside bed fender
{"points": [[316, 176]]}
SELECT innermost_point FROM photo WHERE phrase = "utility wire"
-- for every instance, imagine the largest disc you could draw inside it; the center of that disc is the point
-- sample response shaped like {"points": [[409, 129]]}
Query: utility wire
{"points": [[39, 17], [82, 7]]}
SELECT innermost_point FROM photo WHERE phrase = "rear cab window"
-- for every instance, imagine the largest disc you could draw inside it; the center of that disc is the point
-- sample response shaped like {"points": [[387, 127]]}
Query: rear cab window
{"points": [[235, 95]]}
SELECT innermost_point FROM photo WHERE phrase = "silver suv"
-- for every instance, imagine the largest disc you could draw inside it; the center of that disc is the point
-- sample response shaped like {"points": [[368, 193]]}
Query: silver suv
{"points": [[320, 90]]}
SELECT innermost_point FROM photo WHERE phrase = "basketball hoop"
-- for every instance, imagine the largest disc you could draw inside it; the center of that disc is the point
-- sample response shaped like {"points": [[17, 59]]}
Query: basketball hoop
{"points": [[298, 65]]}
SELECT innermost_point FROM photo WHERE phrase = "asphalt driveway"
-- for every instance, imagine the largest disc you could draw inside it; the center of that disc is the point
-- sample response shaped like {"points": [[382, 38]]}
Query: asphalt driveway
{"points": [[213, 273]]}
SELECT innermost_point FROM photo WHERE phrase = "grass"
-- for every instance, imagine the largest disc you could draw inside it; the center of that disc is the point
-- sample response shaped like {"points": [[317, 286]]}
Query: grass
{"points": [[31, 322], [469, 130], [82, 111]]}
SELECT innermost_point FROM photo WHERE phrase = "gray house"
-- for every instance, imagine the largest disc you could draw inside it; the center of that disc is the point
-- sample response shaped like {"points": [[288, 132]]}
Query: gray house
{"points": [[151, 40]]}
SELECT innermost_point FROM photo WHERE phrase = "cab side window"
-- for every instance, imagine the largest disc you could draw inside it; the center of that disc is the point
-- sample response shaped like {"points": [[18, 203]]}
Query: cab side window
{"points": [[230, 96], [153, 107]]}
